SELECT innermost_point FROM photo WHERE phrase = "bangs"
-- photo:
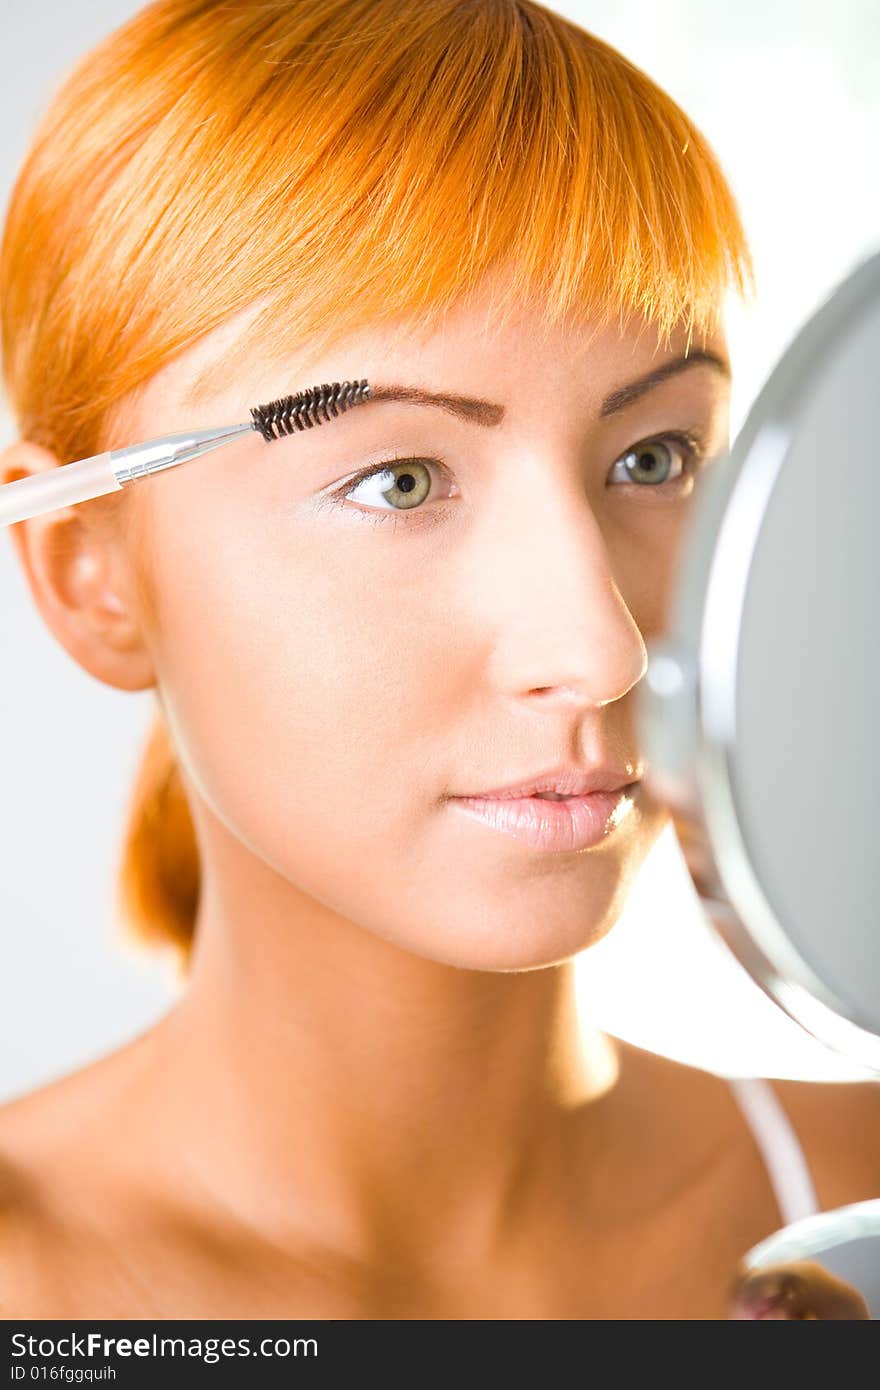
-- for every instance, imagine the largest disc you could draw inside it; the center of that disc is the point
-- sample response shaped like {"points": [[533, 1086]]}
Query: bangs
{"points": [[349, 163]]}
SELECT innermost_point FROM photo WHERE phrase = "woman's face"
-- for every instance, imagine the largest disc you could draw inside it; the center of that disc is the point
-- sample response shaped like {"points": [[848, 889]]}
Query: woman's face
{"points": [[336, 669]]}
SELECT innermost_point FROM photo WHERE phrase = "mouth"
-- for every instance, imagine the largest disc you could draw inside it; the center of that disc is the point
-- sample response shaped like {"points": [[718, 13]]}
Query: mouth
{"points": [[553, 821], [551, 796], [566, 781]]}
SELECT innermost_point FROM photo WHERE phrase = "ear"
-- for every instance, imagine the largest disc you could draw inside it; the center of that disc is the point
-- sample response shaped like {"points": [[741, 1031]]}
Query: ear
{"points": [[81, 577]]}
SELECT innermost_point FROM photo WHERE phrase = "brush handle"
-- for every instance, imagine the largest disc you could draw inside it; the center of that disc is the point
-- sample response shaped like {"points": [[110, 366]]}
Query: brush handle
{"points": [[57, 487]]}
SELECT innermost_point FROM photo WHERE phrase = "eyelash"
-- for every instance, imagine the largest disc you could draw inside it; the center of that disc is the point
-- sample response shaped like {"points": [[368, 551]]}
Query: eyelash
{"points": [[691, 441]]}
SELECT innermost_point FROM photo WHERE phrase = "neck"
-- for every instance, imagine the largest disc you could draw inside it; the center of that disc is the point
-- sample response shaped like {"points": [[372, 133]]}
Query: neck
{"points": [[324, 1082]]}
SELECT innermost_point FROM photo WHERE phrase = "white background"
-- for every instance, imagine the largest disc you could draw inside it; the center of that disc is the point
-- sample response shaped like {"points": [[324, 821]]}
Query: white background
{"points": [[788, 94]]}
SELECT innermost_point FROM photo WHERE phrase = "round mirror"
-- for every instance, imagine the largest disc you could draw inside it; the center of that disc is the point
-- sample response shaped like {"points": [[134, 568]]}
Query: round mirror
{"points": [[757, 710]]}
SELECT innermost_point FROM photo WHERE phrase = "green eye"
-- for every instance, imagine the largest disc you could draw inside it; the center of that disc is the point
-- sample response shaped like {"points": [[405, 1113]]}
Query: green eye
{"points": [[653, 462], [665, 463], [401, 485], [396, 486]]}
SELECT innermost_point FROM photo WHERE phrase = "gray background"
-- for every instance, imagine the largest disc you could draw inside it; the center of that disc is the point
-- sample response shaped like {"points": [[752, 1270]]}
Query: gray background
{"points": [[788, 95]]}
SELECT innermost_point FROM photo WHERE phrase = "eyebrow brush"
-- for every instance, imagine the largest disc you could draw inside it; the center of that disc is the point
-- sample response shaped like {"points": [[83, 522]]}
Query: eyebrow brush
{"points": [[117, 468]]}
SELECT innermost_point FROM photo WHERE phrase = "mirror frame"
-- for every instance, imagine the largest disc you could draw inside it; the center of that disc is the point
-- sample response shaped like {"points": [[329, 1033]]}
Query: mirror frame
{"points": [[686, 701]]}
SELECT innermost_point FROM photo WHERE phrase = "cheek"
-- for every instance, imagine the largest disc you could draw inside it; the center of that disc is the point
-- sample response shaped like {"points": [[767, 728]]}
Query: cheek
{"points": [[305, 695]]}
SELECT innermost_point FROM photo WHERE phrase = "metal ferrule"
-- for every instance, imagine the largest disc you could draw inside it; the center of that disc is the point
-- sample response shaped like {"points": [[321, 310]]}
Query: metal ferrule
{"points": [[140, 460]]}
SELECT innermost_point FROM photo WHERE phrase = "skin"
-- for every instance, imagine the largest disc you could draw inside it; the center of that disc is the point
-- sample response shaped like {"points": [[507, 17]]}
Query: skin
{"points": [[376, 1097]]}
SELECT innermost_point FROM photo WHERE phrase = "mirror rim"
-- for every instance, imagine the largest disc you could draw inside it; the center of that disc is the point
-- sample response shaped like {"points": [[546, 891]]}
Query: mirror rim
{"points": [[687, 699]]}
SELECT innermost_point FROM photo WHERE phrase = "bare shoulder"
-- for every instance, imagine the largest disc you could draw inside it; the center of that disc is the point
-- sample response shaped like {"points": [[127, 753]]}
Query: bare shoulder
{"points": [[838, 1125], [19, 1225], [52, 1174], [95, 1221], [28, 1199]]}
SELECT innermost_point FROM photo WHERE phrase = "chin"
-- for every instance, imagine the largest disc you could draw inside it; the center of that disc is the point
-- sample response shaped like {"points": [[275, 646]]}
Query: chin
{"points": [[485, 941], [531, 922]]}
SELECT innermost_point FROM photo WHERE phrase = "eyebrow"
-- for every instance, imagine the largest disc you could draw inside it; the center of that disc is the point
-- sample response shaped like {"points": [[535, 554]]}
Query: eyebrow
{"points": [[488, 413]]}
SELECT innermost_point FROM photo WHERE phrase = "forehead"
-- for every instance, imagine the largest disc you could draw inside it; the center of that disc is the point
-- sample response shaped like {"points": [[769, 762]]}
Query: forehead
{"points": [[229, 368]]}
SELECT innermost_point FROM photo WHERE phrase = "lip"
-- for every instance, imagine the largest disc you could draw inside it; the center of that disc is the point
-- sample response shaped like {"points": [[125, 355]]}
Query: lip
{"points": [[559, 826], [567, 780]]}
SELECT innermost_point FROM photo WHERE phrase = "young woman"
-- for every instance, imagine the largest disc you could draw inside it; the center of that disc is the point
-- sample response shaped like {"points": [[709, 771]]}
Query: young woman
{"points": [[374, 1098]]}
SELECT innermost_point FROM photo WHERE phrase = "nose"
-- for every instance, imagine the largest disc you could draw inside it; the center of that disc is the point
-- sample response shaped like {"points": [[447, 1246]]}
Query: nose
{"points": [[562, 631]]}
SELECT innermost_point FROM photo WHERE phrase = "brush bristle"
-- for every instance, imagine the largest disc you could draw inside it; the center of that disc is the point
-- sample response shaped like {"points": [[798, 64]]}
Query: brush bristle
{"points": [[308, 408]]}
